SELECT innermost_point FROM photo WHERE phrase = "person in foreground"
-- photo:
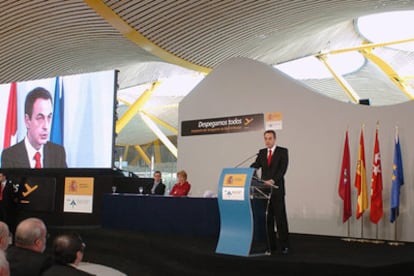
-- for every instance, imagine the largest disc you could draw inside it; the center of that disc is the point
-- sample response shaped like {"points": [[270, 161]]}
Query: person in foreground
{"points": [[4, 236], [27, 257], [273, 160], [35, 151], [4, 265], [68, 253], [182, 188]]}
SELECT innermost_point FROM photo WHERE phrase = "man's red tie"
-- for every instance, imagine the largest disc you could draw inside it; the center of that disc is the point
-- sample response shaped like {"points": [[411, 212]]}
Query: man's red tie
{"points": [[38, 165], [269, 157]]}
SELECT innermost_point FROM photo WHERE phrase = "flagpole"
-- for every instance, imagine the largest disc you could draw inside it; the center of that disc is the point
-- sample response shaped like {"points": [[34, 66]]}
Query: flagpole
{"points": [[395, 242], [362, 226], [349, 229], [395, 229]]}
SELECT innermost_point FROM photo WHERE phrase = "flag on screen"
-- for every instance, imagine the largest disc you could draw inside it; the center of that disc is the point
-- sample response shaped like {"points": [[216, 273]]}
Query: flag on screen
{"points": [[361, 179], [345, 182], [397, 180], [56, 134], [10, 129], [376, 210]]}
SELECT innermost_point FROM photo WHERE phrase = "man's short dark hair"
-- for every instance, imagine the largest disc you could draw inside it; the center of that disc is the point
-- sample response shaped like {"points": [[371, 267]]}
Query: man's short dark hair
{"points": [[37, 93], [271, 131], [157, 172], [66, 246]]}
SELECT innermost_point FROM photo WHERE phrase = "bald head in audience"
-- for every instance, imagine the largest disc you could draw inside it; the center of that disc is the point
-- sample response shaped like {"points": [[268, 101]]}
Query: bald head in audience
{"points": [[4, 236], [31, 234]]}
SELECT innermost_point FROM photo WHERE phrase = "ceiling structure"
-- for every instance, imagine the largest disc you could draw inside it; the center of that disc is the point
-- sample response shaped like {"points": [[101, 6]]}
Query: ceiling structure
{"points": [[153, 40]]}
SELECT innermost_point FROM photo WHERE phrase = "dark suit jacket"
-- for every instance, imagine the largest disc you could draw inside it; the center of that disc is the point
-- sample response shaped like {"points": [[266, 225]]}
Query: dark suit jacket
{"points": [[64, 270], [24, 262], [159, 190], [8, 205], [277, 168], [16, 156]]}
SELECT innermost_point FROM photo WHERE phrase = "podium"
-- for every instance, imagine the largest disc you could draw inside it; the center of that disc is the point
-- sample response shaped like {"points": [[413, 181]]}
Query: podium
{"points": [[243, 202]]}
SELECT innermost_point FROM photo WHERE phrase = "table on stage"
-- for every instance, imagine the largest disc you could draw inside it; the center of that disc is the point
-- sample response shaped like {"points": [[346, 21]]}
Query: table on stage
{"points": [[161, 214]]}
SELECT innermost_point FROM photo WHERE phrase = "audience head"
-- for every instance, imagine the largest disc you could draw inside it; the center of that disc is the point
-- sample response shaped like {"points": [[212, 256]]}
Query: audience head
{"points": [[4, 236], [2, 177], [182, 176], [68, 249], [31, 234], [157, 176], [4, 265]]}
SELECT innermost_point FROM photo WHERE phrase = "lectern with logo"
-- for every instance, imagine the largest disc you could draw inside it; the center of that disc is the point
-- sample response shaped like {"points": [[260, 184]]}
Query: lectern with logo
{"points": [[242, 204]]}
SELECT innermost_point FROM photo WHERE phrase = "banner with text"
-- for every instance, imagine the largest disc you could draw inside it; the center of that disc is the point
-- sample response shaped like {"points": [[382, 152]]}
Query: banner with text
{"points": [[78, 194], [232, 124]]}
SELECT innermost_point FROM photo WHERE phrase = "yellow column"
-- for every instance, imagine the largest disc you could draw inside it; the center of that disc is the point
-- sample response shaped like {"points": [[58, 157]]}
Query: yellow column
{"points": [[340, 80], [388, 70], [135, 107], [143, 155]]}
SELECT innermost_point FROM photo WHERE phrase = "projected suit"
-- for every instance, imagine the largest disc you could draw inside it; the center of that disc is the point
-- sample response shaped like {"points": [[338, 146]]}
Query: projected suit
{"points": [[275, 171], [16, 156], [38, 114]]}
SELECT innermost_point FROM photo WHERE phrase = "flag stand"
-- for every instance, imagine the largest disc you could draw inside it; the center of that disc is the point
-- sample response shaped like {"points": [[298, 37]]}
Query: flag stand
{"points": [[395, 242], [377, 241], [348, 238]]}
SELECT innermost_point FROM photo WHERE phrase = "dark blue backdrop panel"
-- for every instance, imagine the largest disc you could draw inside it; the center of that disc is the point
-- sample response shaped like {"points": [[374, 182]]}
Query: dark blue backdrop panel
{"points": [[161, 214]]}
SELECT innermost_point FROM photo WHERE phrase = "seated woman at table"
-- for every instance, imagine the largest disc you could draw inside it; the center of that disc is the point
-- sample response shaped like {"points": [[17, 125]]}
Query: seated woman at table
{"points": [[182, 187]]}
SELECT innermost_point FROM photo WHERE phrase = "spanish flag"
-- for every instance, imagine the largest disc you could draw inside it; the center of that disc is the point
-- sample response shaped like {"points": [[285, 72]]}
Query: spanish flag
{"points": [[361, 179]]}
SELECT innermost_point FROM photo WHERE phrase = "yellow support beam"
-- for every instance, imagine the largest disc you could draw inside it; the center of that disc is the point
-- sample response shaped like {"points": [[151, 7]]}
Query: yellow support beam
{"points": [[142, 153], [123, 101], [133, 35], [125, 155], [388, 70], [157, 151], [368, 46], [164, 139], [340, 80], [135, 107], [161, 122]]}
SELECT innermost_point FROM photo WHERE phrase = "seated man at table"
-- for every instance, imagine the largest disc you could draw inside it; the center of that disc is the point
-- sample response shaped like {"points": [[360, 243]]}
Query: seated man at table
{"points": [[182, 187], [157, 187]]}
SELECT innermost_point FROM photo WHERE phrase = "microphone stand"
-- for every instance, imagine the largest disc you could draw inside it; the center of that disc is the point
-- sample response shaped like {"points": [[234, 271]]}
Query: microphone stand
{"points": [[247, 159]]}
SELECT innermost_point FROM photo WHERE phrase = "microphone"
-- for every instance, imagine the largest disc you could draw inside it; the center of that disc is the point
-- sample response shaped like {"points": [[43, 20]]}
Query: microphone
{"points": [[247, 159]]}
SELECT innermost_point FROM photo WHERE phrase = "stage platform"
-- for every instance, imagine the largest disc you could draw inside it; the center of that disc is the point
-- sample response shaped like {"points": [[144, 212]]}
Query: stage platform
{"points": [[137, 253]]}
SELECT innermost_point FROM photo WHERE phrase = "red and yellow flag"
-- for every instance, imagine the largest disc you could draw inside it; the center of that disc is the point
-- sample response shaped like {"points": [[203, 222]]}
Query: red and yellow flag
{"points": [[376, 210], [361, 179]]}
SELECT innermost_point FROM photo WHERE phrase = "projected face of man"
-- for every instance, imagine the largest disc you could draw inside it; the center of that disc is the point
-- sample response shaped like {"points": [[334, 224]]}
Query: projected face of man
{"points": [[269, 139], [38, 124]]}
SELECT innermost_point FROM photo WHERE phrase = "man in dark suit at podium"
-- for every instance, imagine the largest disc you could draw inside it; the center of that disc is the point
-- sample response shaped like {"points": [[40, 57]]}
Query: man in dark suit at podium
{"points": [[273, 160], [35, 151]]}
